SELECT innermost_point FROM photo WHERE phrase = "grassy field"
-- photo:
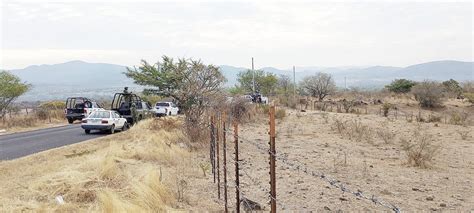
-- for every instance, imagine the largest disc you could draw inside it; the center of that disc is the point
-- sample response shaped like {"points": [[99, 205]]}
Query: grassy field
{"points": [[147, 168]]}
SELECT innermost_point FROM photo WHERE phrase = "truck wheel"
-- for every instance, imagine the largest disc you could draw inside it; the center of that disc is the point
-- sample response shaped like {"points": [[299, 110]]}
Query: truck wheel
{"points": [[70, 120], [87, 131], [112, 129], [169, 113]]}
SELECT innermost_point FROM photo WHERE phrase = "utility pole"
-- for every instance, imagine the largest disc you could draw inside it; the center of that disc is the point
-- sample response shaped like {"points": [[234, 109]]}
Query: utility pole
{"points": [[345, 84], [253, 78]]}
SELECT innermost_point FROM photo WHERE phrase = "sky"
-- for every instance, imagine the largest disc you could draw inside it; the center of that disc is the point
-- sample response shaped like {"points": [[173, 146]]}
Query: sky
{"points": [[276, 33]]}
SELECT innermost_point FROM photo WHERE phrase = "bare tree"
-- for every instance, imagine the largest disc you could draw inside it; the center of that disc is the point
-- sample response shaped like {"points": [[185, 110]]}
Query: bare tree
{"points": [[319, 85]]}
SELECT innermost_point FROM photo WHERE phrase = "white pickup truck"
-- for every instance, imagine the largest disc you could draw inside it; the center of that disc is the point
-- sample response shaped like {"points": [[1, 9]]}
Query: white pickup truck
{"points": [[165, 108]]}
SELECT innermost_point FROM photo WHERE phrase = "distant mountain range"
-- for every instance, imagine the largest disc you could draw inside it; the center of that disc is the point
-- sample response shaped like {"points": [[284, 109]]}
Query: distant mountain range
{"points": [[78, 78]]}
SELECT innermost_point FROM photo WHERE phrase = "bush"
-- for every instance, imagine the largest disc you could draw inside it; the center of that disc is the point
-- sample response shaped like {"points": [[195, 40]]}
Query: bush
{"points": [[386, 108], [42, 114], [452, 88], [428, 94], [280, 113], [469, 96], [53, 105], [421, 151], [400, 86]]}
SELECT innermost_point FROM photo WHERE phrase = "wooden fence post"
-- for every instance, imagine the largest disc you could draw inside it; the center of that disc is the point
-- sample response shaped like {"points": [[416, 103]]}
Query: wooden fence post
{"points": [[236, 147], [272, 153], [218, 163], [224, 147], [213, 147]]}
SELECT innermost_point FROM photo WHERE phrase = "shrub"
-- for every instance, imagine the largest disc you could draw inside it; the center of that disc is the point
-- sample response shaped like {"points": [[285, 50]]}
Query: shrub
{"points": [[53, 105], [400, 86], [464, 134], [428, 94], [452, 88], [386, 108], [339, 125], [420, 151], [42, 114], [347, 105], [385, 134], [280, 113], [459, 118], [433, 118], [469, 96]]}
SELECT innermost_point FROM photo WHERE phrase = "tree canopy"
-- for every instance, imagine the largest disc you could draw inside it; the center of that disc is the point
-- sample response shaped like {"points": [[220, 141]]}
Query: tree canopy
{"points": [[319, 85], [400, 86], [265, 82], [188, 81], [11, 88]]}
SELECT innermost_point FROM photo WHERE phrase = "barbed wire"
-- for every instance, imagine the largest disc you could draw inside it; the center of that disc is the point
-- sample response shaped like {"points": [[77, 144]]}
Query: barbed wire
{"points": [[298, 166]]}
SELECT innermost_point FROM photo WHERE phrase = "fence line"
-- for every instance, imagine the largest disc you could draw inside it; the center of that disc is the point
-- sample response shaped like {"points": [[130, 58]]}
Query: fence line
{"points": [[273, 156]]}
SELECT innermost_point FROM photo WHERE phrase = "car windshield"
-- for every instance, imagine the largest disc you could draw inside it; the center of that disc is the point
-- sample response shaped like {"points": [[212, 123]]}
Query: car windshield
{"points": [[162, 104], [102, 114]]}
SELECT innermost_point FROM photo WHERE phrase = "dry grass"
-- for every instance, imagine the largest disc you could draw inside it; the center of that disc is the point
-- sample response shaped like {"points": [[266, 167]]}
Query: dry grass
{"points": [[420, 150], [117, 173], [21, 122]]}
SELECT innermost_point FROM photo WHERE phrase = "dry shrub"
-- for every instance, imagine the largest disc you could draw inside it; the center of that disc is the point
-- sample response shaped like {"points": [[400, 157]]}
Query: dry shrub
{"points": [[240, 109], [464, 134], [459, 118], [420, 151], [385, 134], [325, 117], [42, 114], [165, 123], [428, 93], [433, 118], [20, 121], [339, 125], [359, 132], [280, 113], [386, 108]]}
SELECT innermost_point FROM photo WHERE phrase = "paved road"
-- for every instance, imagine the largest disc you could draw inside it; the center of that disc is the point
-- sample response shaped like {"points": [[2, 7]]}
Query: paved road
{"points": [[21, 144]]}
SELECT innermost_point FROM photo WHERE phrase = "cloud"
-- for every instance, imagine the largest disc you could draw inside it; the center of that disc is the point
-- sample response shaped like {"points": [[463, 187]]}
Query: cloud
{"points": [[277, 33]]}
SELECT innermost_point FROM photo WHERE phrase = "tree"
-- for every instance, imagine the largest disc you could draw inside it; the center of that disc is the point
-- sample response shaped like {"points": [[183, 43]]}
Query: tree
{"points": [[400, 86], [428, 93], [11, 88], [452, 88], [319, 85], [265, 82], [189, 82]]}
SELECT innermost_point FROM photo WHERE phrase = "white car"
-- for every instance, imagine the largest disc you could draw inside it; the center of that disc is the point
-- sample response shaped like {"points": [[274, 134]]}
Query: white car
{"points": [[104, 120], [166, 108]]}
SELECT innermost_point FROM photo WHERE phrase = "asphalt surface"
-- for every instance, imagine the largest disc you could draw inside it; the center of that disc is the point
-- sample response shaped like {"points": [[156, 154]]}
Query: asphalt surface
{"points": [[26, 143]]}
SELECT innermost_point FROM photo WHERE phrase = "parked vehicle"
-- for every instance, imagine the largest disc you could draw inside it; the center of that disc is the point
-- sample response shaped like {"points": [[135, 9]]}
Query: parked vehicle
{"points": [[256, 98], [165, 108], [104, 120], [130, 106], [78, 108]]}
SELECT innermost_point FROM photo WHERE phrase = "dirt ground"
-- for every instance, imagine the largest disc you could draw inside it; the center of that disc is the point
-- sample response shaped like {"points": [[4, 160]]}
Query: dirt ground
{"points": [[371, 165]]}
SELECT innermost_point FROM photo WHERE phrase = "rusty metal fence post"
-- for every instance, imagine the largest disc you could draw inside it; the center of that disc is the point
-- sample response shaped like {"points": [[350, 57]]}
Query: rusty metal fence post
{"points": [[224, 148], [236, 150], [217, 152], [213, 147], [272, 154]]}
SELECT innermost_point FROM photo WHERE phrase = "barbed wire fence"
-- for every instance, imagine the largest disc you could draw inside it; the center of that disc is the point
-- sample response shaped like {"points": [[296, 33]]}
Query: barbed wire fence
{"points": [[219, 129]]}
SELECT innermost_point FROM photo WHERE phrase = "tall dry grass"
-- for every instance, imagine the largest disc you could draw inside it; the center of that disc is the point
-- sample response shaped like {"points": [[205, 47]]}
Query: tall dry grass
{"points": [[132, 171]]}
